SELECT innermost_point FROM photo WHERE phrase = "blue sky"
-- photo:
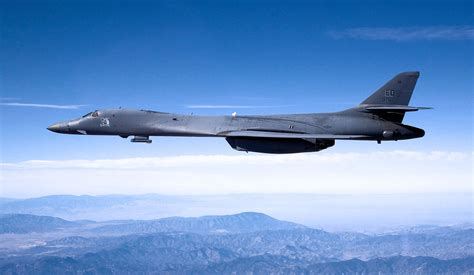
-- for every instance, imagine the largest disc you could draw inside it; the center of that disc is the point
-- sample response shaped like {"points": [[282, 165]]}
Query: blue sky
{"points": [[281, 57]]}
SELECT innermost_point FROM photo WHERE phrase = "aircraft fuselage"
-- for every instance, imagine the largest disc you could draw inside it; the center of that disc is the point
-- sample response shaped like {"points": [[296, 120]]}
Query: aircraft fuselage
{"points": [[378, 118]]}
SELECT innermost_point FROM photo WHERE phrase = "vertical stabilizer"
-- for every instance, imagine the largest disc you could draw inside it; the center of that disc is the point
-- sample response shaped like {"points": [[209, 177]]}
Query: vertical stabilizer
{"points": [[397, 91]]}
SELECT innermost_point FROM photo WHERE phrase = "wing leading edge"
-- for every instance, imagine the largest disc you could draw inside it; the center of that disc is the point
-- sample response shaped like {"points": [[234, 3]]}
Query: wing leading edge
{"points": [[266, 134]]}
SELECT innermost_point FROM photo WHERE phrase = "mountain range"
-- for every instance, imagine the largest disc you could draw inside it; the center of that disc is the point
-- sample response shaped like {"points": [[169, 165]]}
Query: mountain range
{"points": [[243, 243], [363, 213]]}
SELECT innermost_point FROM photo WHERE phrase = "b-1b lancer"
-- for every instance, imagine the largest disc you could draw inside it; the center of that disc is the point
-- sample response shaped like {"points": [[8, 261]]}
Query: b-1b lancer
{"points": [[378, 118]]}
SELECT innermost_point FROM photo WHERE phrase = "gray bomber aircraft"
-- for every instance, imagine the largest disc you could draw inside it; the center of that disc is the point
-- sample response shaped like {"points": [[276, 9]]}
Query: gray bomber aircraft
{"points": [[378, 118]]}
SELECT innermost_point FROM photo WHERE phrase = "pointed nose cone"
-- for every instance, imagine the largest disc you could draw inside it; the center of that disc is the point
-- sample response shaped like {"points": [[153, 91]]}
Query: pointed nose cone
{"points": [[55, 128]]}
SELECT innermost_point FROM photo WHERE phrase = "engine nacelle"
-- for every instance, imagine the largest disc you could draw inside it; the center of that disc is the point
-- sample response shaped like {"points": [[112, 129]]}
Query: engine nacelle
{"points": [[278, 145]]}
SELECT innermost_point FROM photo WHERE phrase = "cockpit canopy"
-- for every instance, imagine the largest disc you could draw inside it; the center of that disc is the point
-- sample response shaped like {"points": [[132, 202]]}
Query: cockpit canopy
{"points": [[92, 114]]}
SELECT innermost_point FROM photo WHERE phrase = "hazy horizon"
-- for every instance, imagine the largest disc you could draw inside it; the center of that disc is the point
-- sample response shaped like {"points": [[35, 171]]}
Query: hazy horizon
{"points": [[362, 212], [236, 194]]}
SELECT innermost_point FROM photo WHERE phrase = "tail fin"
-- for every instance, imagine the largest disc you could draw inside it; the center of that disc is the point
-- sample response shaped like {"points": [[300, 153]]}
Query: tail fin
{"points": [[397, 91], [390, 102]]}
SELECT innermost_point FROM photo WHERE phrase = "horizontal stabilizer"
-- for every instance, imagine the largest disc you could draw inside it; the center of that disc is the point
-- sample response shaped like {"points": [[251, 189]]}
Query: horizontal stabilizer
{"points": [[266, 134], [394, 108]]}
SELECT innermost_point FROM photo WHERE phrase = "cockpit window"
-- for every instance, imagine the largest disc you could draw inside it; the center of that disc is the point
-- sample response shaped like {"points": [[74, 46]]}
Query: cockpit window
{"points": [[92, 114]]}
